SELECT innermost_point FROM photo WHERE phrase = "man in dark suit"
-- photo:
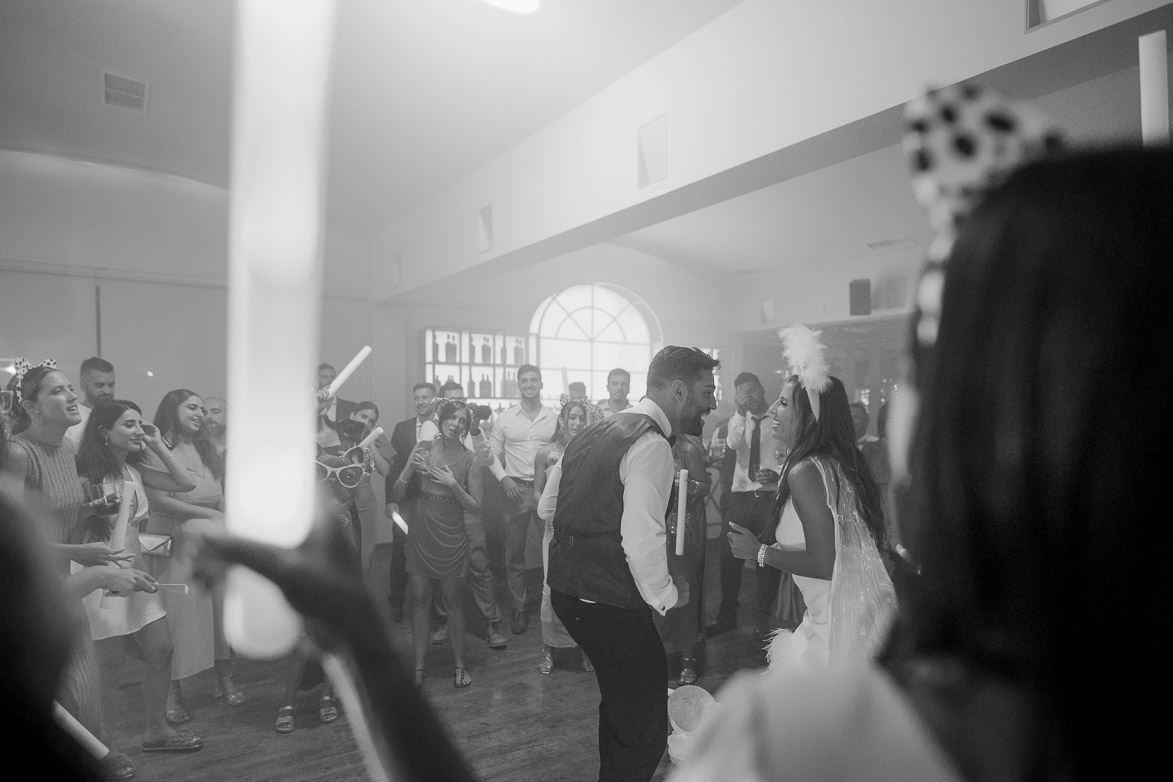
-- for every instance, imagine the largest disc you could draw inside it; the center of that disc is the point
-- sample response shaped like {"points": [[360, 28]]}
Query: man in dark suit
{"points": [[403, 439]]}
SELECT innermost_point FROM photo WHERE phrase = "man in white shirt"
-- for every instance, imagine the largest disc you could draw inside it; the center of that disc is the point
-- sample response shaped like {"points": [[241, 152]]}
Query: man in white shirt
{"points": [[751, 501], [517, 435], [608, 570], [618, 387], [97, 385]]}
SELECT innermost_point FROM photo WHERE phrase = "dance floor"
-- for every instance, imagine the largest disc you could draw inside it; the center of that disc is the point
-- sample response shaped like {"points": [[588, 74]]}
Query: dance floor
{"points": [[512, 724]]}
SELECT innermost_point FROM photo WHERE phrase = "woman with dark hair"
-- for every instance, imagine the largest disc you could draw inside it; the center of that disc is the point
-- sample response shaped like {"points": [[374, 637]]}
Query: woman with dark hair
{"points": [[112, 450], [195, 619], [42, 461], [448, 481], [831, 529], [576, 415], [363, 506]]}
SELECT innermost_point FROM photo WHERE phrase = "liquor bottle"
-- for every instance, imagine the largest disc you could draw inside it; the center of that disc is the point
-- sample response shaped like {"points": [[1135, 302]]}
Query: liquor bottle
{"points": [[486, 387], [504, 354], [435, 347], [450, 350], [472, 387], [518, 354], [486, 352]]}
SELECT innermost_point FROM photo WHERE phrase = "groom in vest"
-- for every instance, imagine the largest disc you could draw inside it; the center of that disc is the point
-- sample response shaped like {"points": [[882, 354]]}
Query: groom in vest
{"points": [[608, 571]]}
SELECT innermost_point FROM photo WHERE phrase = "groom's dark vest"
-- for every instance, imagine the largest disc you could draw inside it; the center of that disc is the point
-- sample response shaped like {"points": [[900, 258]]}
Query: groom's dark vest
{"points": [[586, 554]]}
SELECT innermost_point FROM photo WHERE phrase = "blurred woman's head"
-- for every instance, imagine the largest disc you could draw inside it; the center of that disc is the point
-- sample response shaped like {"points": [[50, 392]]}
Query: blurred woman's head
{"points": [[831, 433], [572, 419], [46, 397], [1040, 453], [114, 432], [368, 414], [454, 419], [180, 416]]}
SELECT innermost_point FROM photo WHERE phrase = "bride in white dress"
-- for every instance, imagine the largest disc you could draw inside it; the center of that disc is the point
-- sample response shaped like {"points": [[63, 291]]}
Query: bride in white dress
{"points": [[832, 523]]}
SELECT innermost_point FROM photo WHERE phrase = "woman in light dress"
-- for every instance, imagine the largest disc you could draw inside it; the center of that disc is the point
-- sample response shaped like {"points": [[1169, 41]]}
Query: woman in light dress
{"points": [[195, 619], [831, 528], [112, 451]]}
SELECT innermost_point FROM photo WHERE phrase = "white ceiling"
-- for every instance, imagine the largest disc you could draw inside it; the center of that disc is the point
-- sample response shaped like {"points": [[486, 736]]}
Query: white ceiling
{"points": [[428, 91], [425, 91]]}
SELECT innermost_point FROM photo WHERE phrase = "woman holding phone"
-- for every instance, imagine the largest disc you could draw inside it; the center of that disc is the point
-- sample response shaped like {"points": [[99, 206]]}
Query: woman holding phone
{"points": [[111, 455]]}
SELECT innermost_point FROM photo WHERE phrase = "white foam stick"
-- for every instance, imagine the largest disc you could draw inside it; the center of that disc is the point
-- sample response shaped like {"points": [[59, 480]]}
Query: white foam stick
{"points": [[1154, 88], [118, 536], [348, 370], [370, 438], [280, 100], [180, 589], [681, 511], [78, 732], [395, 517], [348, 693]]}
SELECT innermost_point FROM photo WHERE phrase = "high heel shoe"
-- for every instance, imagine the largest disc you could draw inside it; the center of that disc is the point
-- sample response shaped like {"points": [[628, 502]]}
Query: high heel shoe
{"points": [[546, 666], [461, 679]]}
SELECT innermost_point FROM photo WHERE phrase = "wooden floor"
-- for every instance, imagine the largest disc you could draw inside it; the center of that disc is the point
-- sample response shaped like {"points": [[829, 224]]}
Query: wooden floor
{"points": [[513, 723]]}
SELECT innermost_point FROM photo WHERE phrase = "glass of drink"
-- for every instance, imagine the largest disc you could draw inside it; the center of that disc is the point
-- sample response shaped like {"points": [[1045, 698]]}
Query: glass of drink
{"points": [[104, 497], [717, 448]]}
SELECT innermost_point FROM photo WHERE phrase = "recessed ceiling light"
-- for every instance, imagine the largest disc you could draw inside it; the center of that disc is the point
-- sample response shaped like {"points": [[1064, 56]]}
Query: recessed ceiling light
{"points": [[516, 6]]}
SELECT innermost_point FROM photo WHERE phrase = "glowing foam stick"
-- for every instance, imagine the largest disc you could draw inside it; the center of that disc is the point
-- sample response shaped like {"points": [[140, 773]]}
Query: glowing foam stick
{"points": [[348, 370], [370, 438], [681, 511], [78, 732], [280, 98], [395, 517], [1154, 88], [179, 589]]}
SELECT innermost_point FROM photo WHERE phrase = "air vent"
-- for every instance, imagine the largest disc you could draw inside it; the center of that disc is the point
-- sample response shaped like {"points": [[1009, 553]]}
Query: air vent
{"points": [[125, 93]]}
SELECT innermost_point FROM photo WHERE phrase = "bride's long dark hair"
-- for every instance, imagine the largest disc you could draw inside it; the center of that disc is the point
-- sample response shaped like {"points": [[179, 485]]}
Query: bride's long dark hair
{"points": [[832, 434]]}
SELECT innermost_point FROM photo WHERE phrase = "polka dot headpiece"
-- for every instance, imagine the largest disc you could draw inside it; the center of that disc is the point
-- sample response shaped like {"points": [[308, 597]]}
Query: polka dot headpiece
{"points": [[961, 141]]}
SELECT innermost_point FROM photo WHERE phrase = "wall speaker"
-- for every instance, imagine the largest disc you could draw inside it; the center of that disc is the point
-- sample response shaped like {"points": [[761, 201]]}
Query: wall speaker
{"points": [[860, 293]]}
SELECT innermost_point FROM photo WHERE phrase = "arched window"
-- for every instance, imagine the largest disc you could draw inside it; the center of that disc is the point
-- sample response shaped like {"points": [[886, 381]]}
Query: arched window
{"points": [[585, 331]]}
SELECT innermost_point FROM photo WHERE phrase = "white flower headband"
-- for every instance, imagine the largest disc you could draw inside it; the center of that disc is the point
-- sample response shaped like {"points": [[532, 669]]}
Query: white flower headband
{"points": [[806, 357]]}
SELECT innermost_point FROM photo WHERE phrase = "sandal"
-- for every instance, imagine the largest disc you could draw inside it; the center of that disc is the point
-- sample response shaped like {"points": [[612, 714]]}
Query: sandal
{"points": [[546, 665], [687, 671], [327, 709], [117, 765], [461, 679], [179, 741], [233, 697], [420, 675], [178, 716], [285, 719]]}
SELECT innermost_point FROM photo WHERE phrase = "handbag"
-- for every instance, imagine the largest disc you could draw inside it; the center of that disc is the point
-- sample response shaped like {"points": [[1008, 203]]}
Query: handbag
{"points": [[154, 545]]}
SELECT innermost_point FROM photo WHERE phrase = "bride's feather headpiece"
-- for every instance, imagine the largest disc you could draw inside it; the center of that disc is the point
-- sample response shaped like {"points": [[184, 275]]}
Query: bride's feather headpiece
{"points": [[806, 357]]}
